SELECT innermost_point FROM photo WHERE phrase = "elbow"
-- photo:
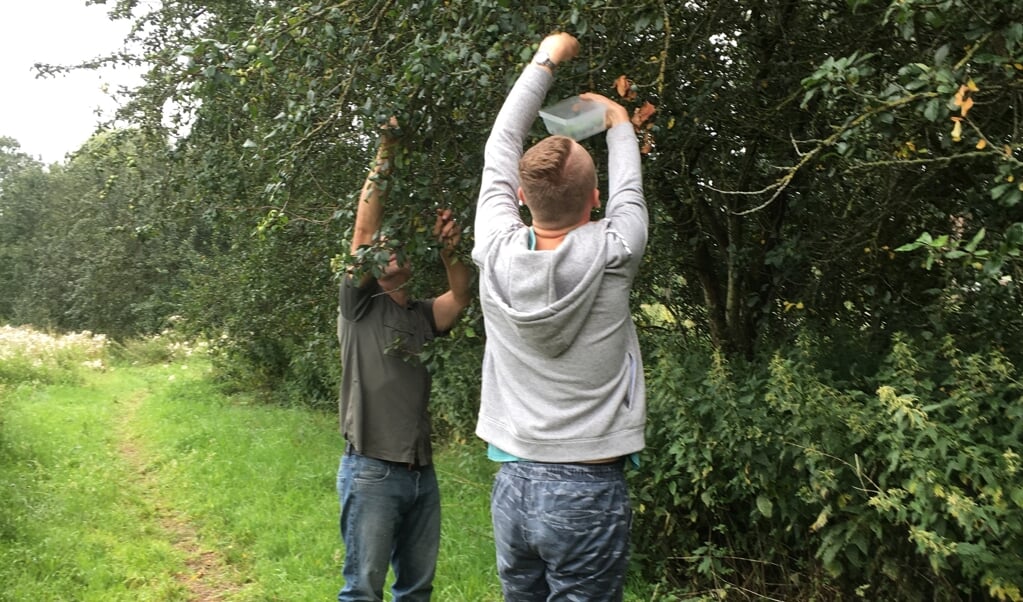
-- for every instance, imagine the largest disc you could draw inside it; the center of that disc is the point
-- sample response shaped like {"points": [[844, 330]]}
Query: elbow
{"points": [[463, 299]]}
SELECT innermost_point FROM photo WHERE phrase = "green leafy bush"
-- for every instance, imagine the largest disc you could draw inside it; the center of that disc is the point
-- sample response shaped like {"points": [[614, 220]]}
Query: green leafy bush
{"points": [[456, 364], [779, 478], [163, 347]]}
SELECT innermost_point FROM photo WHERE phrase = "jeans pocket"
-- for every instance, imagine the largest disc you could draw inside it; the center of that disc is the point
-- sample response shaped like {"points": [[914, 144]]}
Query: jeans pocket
{"points": [[368, 471], [574, 518], [581, 507]]}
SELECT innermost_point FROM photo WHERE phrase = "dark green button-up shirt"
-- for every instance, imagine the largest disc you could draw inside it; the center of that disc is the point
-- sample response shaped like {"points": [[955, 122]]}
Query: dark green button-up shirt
{"points": [[385, 389]]}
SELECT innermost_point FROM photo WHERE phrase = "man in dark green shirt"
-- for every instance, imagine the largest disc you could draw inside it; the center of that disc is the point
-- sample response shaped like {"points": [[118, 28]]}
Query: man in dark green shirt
{"points": [[390, 504]]}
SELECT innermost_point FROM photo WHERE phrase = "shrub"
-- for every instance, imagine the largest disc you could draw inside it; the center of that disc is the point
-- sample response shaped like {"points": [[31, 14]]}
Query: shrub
{"points": [[777, 477], [166, 346], [456, 363]]}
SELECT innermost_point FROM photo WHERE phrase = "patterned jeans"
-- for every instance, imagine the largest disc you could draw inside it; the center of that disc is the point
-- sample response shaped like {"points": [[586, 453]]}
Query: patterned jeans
{"points": [[561, 531]]}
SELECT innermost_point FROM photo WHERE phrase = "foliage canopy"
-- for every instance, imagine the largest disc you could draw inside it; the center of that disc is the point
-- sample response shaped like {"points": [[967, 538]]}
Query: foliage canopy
{"points": [[841, 176]]}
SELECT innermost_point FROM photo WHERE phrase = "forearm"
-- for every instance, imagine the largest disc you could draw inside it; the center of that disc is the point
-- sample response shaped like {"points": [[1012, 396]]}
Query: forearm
{"points": [[625, 176], [448, 307], [369, 214], [626, 206], [459, 278]]}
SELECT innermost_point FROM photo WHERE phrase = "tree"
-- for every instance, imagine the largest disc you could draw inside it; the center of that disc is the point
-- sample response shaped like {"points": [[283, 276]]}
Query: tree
{"points": [[780, 177], [21, 182], [823, 174], [89, 246]]}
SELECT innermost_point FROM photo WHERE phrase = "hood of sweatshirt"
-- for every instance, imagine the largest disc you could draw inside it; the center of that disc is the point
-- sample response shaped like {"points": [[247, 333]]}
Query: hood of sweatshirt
{"points": [[546, 296]]}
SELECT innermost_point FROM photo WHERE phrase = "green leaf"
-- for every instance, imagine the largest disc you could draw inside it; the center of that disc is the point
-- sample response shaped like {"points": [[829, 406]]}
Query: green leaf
{"points": [[972, 246], [765, 506], [998, 191]]}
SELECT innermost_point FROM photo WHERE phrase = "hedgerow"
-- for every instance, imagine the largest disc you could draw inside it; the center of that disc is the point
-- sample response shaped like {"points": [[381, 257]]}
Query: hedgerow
{"points": [[778, 477]]}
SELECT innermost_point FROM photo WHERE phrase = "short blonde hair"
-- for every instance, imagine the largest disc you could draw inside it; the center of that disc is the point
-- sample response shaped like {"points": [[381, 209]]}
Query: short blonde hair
{"points": [[558, 179]]}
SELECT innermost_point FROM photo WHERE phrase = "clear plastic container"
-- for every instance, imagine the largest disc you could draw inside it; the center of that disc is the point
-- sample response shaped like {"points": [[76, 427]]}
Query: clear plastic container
{"points": [[574, 117]]}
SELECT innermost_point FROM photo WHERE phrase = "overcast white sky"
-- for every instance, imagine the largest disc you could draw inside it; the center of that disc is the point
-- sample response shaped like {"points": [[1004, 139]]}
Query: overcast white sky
{"points": [[51, 117]]}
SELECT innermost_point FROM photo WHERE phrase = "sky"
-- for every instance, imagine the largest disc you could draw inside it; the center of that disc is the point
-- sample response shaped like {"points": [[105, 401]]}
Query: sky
{"points": [[54, 116]]}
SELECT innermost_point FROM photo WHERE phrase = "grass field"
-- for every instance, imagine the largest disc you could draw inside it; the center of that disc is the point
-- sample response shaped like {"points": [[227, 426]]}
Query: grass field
{"points": [[146, 483]]}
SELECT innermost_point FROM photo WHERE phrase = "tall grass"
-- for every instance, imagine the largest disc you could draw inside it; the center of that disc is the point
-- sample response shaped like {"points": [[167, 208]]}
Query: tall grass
{"points": [[145, 482], [31, 356]]}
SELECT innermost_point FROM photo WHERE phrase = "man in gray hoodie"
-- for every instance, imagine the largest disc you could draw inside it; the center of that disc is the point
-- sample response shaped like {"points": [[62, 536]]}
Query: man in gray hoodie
{"points": [[563, 398]]}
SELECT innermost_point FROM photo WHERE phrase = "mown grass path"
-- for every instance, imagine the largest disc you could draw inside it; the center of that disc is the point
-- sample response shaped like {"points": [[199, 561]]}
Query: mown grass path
{"points": [[206, 575], [146, 483], [78, 518]]}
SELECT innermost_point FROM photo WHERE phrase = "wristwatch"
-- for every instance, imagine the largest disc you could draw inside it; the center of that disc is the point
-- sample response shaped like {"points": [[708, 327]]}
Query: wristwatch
{"points": [[543, 58]]}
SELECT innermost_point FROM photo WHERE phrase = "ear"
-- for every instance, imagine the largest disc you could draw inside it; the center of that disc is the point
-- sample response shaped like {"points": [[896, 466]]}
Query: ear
{"points": [[522, 196], [595, 201]]}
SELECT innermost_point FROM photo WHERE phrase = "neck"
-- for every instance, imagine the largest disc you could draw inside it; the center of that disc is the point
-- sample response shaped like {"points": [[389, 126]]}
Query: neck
{"points": [[399, 296], [551, 238], [395, 290]]}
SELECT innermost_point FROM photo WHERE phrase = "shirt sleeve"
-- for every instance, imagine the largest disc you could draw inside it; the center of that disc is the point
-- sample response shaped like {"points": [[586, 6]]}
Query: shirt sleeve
{"points": [[497, 208], [355, 300], [425, 307], [626, 206]]}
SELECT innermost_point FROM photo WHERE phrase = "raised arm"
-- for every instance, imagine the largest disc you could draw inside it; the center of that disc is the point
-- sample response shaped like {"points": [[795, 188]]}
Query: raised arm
{"points": [[626, 207], [370, 212], [497, 206], [448, 306]]}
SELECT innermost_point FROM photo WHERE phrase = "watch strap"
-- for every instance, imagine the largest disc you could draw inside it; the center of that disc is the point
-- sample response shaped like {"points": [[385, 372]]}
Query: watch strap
{"points": [[544, 59]]}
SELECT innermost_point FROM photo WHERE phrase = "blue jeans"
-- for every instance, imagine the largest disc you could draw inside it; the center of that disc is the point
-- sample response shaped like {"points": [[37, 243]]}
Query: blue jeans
{"points": [[561, 531], [390, 515]]}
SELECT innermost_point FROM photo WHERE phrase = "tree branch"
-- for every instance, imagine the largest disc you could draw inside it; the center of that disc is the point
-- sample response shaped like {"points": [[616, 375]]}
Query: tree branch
{"points": [[779, 186]]}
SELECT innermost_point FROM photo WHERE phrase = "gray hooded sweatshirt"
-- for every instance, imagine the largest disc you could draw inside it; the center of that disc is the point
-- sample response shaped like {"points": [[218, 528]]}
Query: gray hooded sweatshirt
{"points": [[562, 372]]}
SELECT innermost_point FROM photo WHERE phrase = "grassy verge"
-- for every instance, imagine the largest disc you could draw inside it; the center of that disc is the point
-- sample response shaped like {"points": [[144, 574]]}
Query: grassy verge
{"points": [[146, 483]]}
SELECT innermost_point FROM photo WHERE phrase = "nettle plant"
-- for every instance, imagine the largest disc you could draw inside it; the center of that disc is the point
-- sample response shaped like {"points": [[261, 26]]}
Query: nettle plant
{"points": [[949, 461]]}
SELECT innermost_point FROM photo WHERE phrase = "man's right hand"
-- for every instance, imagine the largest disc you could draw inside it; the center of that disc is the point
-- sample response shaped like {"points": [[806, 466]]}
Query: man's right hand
{"points": [[560, 46], [390, 131]]}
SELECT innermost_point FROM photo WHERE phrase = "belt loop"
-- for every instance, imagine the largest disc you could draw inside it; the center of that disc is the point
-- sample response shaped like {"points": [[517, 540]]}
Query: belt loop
{"points": [[349, 448]]}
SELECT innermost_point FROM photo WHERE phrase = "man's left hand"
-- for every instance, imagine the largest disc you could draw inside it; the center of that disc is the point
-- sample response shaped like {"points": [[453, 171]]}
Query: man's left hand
{"points": [[447, 231]]}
